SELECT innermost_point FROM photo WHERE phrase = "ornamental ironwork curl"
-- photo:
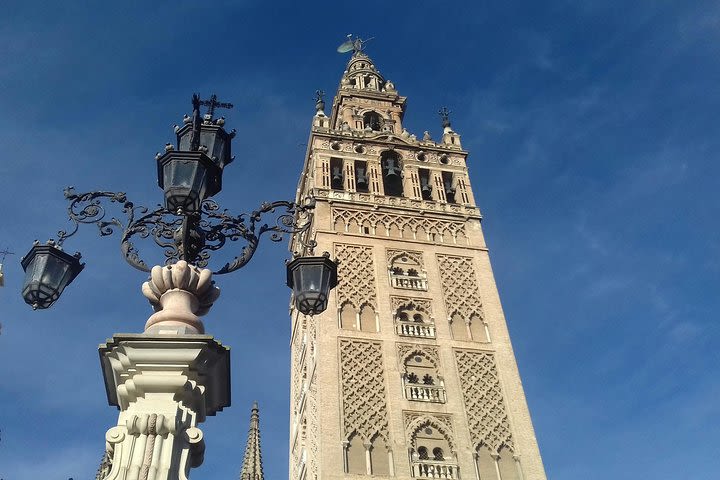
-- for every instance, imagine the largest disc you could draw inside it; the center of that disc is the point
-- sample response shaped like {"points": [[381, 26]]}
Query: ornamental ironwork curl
{"points": [[182, 235]]}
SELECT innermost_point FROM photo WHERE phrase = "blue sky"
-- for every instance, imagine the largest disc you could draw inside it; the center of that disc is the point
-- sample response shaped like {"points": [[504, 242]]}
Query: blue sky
{"points": [[594, 141]]}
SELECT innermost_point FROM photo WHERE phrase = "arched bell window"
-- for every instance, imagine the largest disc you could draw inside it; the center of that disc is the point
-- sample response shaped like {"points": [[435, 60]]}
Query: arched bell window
{"points": [[373, 121], [362, 180], [337, 177], [392, 173], [425, 185]]}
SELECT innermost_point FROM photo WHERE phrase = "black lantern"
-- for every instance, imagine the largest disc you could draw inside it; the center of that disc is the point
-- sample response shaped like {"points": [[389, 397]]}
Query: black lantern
{"points": [[311, 279], [213, 139], [188, 178], [48, 270]]}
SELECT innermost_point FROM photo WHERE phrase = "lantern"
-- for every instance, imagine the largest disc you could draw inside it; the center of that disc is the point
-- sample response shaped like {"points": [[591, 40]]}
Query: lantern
{"points": [[188, 178], [311, 279], [48, 270]]}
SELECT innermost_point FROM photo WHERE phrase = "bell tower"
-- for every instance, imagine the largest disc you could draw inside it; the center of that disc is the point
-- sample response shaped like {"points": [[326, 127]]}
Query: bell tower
{"points": [[410, 372]]}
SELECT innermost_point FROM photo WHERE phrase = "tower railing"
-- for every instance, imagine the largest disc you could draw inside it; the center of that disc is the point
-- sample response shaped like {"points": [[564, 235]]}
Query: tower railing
{"points": [[421, 392], [408, 282], [409, 328], [435, 469]]}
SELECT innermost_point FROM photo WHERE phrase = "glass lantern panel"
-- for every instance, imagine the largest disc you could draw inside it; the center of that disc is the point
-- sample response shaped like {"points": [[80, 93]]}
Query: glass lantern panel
{"points": [[185, 141], [34, 270], [56, 274], [208, 139], [180, 173], [310, 278]]}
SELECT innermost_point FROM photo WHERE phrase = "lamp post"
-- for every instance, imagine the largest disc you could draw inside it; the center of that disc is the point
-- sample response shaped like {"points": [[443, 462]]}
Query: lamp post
{"points": [[166, 380]]}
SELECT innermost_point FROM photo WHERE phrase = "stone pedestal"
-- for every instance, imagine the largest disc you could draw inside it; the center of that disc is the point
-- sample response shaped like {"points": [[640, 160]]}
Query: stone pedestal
{"points": [[164, 387]]}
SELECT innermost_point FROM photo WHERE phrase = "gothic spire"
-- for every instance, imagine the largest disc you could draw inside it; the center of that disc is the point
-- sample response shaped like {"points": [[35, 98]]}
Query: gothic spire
{"points": [[252, 460], [105, 466]]}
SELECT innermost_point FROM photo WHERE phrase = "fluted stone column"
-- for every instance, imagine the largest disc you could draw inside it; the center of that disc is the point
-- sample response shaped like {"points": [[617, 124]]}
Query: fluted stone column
{"points": [[165, 381]]}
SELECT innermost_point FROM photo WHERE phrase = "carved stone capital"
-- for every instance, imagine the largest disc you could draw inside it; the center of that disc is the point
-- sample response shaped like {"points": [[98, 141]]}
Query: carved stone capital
{"points": [[179, 294], [164, 386]]}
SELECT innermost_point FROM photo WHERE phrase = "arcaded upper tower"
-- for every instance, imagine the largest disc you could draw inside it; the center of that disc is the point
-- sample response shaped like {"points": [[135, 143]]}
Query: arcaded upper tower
{"points": [[410, 372]]}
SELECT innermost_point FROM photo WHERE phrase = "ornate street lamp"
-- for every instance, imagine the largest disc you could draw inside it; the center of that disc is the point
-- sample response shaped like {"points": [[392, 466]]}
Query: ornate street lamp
{"points": [[189, 226]]}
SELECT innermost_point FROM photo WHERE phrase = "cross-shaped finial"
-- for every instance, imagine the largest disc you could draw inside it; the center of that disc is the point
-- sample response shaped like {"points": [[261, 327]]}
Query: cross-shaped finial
{"points": [[4, 253], [444, 113], [213, 103]]}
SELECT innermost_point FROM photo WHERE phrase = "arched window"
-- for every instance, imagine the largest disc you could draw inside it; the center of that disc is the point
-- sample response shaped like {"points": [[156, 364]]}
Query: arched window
{"points": [[431, 452], [372, 121], [355, 455], [379, 458], [423, 453], [391, 173], [507, 464], [421, 379]]}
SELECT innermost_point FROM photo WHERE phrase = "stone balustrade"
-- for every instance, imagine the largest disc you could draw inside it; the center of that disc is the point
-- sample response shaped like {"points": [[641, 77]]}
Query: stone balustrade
{"points": [[415, 329], [424, 393], [408, 282], [434, 469]]}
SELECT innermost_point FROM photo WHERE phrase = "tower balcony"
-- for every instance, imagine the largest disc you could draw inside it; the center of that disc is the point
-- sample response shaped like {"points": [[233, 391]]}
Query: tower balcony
{"points": [[420, 392], [434, 469], [409, 328], [408, 282]]}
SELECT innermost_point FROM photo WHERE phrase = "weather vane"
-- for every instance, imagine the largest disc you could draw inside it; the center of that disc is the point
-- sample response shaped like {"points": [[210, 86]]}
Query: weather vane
{"points": [[213, 103], [444, 113], [4, 253], [355, 45]]}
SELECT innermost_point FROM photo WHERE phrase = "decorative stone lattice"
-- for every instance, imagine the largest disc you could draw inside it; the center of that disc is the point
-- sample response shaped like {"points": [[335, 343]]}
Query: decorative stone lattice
{"points": [[405, 350], [484, 404], [313, 433], [460, 288], [363, 390], [415, 421], [382, 224], [297, 369], [357, 273], [311, 411]]}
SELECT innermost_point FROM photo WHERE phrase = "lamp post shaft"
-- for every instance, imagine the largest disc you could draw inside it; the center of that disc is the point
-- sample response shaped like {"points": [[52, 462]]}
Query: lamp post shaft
{"points": [[165, 381]]}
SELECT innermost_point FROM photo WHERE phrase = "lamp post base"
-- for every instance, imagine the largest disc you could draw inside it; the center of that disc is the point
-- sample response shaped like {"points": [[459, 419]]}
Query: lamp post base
{"points": [[164, 387]]}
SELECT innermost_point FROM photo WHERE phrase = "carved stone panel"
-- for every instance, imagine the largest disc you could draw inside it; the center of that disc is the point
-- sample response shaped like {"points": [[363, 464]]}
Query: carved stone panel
{"points": [[460, 287], [356, 272], [362, 377], [398, 226], [484, 404]]}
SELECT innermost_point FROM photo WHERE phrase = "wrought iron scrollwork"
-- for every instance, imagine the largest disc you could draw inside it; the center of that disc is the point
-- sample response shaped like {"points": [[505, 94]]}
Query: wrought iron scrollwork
{"points": [[190, 236]]}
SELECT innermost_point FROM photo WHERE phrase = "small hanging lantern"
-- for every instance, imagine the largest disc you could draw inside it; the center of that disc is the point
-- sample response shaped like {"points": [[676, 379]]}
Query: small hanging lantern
{"points": [[311, 279], [48, 270]]}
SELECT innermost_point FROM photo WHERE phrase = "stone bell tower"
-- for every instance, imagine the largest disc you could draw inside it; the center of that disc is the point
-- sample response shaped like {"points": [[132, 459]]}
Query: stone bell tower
{"points": [[410, 372]]}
